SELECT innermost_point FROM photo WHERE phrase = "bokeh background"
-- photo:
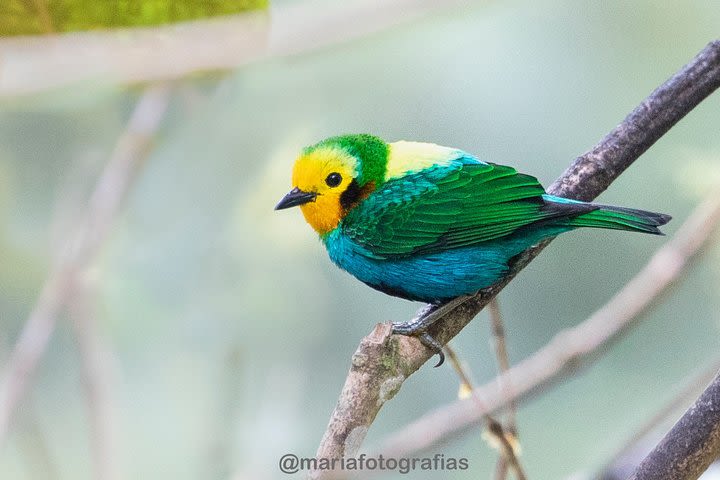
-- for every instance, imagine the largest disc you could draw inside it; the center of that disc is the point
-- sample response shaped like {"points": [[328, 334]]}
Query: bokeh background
{"points": [[228, 331]]}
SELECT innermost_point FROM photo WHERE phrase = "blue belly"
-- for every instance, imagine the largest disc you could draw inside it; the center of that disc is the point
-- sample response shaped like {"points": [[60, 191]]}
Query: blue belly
{"points": [[432, 277]]}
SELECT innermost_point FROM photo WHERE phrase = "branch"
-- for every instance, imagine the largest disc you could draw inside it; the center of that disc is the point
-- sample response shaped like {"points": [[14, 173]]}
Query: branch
{"points": [[691, 445], [131, 149], [501, 354], [574, 347], [382, 362], [129, 56], [627, 458], [97, 375], [496, 432]]}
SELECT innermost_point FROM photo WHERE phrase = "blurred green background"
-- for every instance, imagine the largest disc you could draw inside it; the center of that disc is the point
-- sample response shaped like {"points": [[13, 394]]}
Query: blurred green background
{"points": [[35, 17], [230, 331]]}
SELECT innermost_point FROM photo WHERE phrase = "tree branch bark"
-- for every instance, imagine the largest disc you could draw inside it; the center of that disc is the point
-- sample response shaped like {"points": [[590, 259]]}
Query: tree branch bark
{"points": [[383, 362], [691, 445], [630, 455]]}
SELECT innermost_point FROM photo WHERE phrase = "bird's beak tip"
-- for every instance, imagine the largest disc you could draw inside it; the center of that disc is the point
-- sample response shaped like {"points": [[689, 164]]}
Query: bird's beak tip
{"points": [[294, 198]]}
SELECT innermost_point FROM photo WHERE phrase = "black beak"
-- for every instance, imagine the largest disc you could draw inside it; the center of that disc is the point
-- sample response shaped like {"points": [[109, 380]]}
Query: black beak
{"points": [[294, 198]]}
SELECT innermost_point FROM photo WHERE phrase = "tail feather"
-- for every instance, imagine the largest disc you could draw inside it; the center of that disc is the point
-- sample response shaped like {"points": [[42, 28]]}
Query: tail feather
{"points": [[620, 218]]}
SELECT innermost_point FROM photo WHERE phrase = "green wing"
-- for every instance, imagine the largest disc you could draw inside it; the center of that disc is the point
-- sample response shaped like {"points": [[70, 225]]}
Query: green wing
{"points": [[444, 207]]}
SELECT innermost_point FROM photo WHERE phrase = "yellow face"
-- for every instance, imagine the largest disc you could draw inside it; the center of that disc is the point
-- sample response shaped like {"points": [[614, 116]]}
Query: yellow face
{"points": [[322, 175]]}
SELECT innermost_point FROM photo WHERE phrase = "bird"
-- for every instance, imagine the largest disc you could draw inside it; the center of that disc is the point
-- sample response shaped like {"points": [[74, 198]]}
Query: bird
{"points": [[430, 223]]}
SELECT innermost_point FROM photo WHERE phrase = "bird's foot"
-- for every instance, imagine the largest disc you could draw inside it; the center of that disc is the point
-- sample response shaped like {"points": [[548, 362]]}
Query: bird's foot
{"points": [[425, 338], [418, 326]]}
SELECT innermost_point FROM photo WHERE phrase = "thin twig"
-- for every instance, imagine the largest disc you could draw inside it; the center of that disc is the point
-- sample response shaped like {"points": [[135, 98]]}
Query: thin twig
{"points": [[130, 151], [97, 373], [494, 428], [501, 469], [499, 340], [574, 347], [35, 449], [501, 354], [383, 361], [95, 356]]}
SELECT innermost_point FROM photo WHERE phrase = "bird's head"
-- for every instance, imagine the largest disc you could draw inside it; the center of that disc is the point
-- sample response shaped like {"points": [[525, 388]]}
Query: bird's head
{"points": [[333, 176]]}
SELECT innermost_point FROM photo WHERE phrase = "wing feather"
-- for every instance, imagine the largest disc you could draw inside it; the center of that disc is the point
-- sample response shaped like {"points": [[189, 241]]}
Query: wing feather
{"points": [[448, 206]]}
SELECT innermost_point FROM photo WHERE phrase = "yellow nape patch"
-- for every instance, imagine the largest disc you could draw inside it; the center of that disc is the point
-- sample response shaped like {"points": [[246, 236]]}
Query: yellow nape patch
{"points": [[406, 157], [310, 174]]}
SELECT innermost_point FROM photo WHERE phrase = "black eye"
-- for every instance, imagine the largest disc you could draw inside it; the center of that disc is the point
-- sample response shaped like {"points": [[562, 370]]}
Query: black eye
{"points": [[333, 180]]}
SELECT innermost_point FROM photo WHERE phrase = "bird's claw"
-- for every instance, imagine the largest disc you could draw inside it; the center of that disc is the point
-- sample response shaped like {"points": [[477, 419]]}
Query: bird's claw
{"points": [[428, 340], [424, 337]]}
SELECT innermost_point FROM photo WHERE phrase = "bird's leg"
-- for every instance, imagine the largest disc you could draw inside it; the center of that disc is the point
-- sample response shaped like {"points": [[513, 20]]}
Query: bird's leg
{"points": [[418, 325], [427, 316]]}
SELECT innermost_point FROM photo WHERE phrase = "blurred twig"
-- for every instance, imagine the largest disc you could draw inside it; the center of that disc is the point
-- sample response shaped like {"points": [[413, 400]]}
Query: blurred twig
{"points": [[574, 347], [495, 429], [500, 343], [35, 64], [501, 354], [130, 151], [32, 440], [383, 360], [98, 377], [36, 451]]}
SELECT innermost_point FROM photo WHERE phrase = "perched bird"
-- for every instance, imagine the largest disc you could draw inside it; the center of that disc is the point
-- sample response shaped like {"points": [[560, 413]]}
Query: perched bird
{"points": [[431, 223]]}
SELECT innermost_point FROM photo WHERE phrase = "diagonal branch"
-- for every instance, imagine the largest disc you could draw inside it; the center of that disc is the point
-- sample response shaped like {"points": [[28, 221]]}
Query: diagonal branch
{"points": [[382, 362], [571, 348], [626, 458], [691, 445]]}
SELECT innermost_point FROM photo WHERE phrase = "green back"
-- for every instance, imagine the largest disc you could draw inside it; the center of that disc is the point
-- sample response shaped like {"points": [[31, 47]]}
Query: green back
{"points": [[445, 207]]}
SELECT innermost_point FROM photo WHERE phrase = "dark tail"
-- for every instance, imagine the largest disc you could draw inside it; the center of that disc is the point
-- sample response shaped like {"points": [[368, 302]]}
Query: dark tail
{"points": [[617, 218]]}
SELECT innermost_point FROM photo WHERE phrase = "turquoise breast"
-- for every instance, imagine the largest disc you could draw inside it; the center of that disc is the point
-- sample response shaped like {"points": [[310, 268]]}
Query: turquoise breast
{"points": [[435, 277]]}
